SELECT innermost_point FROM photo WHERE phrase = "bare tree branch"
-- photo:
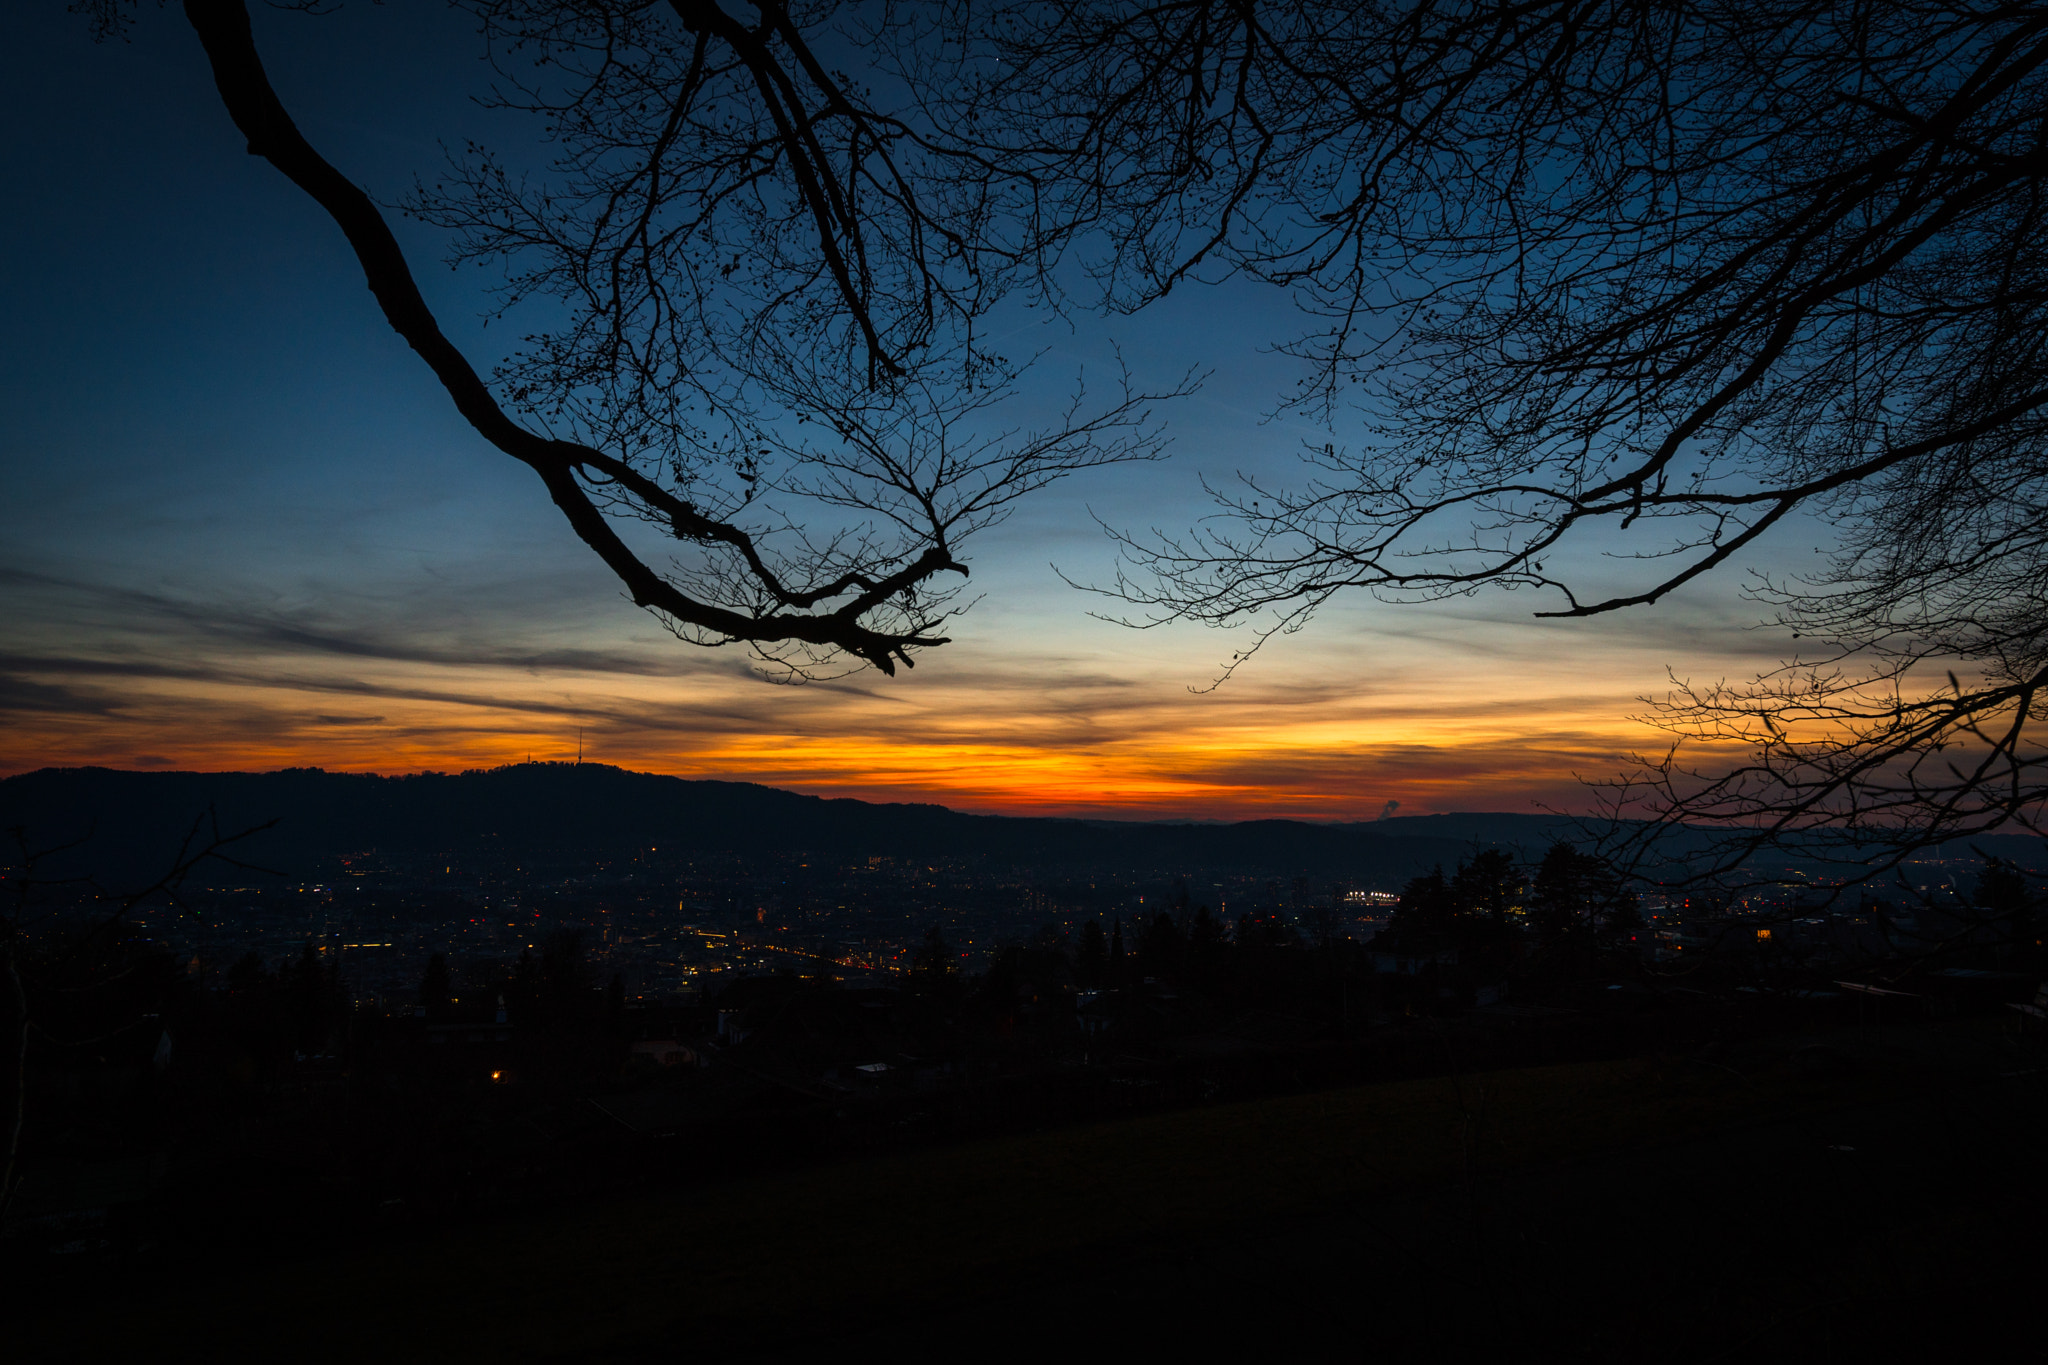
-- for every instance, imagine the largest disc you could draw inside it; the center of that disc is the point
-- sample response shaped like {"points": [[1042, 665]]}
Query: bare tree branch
{"points": [[1607, 279], [719, 201]]}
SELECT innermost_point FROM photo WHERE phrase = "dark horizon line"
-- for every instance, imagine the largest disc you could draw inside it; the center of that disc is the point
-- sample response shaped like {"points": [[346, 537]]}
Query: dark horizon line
{"points": [[741, 782]]}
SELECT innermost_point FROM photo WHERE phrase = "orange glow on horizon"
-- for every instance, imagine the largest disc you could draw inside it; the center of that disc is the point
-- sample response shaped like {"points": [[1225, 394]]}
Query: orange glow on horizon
{"points": [[985, 733], [1326, 771]]}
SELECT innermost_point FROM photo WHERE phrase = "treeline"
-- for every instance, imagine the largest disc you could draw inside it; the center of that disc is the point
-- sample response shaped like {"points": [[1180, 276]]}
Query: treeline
{"points": [[1570, 914], [1495, 922]]}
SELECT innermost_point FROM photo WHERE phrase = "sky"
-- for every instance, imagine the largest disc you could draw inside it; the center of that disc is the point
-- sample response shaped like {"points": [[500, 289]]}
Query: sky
{"points": [[240, 528]]}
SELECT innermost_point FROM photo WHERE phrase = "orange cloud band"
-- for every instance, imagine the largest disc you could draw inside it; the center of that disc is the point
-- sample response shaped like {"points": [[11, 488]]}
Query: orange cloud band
{"points": [[1318, 751]]}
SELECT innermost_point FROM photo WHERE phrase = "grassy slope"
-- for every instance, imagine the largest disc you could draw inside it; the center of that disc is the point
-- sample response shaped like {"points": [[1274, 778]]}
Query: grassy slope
{"points": [[937, 1226]]}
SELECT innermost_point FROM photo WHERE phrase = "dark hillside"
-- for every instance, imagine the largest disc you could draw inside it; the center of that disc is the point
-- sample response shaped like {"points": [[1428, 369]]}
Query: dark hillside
{"points": [[133, 821], [1647, 1209]]}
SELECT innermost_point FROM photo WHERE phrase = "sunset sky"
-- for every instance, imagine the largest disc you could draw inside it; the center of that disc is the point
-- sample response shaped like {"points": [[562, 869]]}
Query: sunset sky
{"points": [[242, 529]]}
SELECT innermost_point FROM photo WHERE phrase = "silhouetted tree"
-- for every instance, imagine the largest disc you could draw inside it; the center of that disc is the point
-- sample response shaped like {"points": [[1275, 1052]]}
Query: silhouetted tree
{"points": [[248, 976], [436, 987], [313, 994], [1161, 949], [2012, 911], [1678, 277], [1488, 887], [1577, 899], [1264, 929], [1424, 918], [1474, 911], [995, 994], [761, 307], [1323, 924], [615, 1003], [32, 964], [523, 994], [565, 982], [1091, 958], [934, 970]]}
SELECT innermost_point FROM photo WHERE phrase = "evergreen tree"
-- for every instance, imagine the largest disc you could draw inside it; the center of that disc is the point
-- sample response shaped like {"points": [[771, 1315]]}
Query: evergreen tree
{"points": [[1422, 921], [1488, 888], [1578, 899], [1558, 898]]}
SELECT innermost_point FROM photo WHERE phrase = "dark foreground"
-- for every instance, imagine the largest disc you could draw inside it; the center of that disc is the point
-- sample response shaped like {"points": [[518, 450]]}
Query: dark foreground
{"points": [[1853, 1195]]}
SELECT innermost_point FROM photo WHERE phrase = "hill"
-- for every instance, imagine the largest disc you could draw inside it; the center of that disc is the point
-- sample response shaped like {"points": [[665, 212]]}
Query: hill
{"points": [[132, 822], [128, 824]]}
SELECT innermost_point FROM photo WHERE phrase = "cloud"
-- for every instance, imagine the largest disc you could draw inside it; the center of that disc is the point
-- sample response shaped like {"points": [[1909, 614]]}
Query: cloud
{"points": [[29, 697], [1432, 713], [244, 629]]}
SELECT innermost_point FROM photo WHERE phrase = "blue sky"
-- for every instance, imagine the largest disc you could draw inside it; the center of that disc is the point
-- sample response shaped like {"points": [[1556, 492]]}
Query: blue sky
{"points": [[241, 528]]}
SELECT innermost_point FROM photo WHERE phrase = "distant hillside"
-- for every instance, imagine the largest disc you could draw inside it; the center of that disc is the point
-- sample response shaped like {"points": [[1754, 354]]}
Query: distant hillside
{"points": [[131, 822]]}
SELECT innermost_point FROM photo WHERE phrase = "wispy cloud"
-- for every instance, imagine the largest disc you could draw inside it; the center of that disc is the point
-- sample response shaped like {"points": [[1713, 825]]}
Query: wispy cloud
{"points": [[1435, 715]]}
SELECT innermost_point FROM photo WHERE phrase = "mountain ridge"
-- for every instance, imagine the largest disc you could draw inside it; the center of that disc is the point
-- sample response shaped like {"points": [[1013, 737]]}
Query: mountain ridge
{"points": [[131, 822], [594, 809]]}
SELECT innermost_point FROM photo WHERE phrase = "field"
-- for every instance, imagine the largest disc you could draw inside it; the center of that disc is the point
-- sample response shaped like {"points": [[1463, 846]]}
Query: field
{"points": [[1844, 1192]]}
